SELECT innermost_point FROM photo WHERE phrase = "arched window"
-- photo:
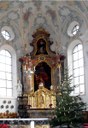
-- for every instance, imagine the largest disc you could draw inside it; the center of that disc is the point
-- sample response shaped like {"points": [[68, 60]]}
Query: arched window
{"points": [[78, 69], [76, 66], [8, 76], [5, 73]]}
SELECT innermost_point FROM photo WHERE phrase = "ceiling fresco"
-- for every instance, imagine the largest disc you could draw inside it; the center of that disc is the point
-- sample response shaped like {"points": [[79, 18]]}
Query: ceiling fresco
{"points": [[25, 16]]}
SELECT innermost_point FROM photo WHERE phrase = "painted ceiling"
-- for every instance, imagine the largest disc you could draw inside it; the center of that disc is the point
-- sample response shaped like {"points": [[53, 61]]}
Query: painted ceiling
{"points": [[25, 16]]}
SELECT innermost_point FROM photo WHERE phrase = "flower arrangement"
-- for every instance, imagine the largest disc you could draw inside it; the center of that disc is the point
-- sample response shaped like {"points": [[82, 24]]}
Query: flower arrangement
{"points": [[8, 115], [4, 126]]}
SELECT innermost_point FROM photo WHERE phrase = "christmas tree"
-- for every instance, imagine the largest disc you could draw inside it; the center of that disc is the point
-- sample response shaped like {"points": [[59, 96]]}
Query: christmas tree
{"points": [[69, 109]]}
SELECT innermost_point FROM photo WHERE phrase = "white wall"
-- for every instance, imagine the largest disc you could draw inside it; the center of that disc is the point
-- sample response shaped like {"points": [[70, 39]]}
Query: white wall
{"points": [[9, 104]]}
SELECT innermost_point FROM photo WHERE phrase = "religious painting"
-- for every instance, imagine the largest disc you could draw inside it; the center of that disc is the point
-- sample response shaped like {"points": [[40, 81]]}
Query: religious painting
{"points": [[41, 47], [42, 75]]}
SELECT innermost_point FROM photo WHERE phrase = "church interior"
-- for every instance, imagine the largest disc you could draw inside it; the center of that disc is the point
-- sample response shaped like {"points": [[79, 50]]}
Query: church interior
{"points": [[39, 39]]}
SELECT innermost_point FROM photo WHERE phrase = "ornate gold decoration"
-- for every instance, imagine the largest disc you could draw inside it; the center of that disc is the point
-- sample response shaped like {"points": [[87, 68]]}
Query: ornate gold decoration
{"points": [[42, 98]]}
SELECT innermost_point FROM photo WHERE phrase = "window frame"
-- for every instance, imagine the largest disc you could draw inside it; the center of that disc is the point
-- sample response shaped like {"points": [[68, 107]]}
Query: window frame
{"points": [[10, 32], [14, 69], [6, 35], [75, 30], [71, 46], [77, 68], [73, 27], [5, 71]]}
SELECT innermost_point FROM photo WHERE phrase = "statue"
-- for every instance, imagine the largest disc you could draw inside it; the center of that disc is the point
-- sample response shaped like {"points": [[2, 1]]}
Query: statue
{"points": [[41, 95], [19, 88], [41, 101]]}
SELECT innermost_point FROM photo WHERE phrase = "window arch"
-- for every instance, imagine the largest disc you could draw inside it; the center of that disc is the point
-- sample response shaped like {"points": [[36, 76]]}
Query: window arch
{"points": [[76, 64], [8, 75]]}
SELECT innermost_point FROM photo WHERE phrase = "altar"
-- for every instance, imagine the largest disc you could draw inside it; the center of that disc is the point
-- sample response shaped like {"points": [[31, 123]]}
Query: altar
{"points": [[41, 72]]}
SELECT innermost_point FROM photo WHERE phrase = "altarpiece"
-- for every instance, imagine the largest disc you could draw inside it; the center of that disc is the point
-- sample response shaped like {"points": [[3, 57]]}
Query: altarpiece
{"points": [[41, 72]]}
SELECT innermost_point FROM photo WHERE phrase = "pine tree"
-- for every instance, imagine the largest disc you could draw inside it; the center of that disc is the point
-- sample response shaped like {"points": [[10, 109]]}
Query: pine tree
{"points": [[69, 109]]}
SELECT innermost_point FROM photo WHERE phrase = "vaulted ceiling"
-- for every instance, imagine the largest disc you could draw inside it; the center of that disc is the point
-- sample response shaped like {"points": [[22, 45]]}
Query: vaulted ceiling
{"points": [[24, 17]]}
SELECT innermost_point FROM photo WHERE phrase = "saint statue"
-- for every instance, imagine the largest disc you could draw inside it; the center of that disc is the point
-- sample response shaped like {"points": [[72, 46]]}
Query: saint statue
{"points": [[41, 95], [19, 88]]}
